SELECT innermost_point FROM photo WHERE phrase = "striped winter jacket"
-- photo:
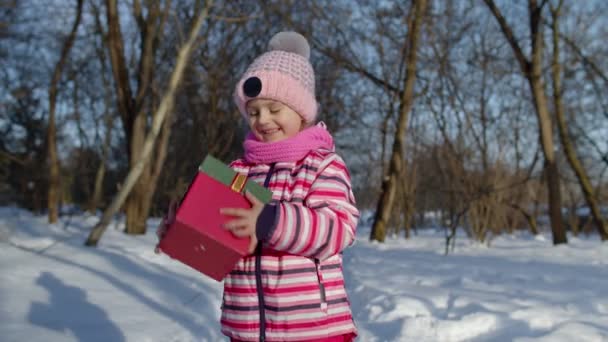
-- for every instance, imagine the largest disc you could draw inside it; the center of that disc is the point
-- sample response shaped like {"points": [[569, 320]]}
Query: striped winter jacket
{"points": [[297, 271]]}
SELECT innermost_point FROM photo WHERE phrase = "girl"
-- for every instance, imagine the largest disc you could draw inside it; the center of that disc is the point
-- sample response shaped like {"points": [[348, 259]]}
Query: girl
{"points": [[291, 287]]}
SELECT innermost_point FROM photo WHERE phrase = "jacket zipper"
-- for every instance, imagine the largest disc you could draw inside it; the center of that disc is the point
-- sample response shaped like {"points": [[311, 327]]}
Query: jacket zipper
{"points": [[258, 273], [321, 286]]}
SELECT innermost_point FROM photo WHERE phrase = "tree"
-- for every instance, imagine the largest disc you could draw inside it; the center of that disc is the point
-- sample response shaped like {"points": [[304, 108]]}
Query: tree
{"points": [[159, 117], [108, 116], [569, 150], [532, 70], [134, 104], [53, 161], [395, 171]]}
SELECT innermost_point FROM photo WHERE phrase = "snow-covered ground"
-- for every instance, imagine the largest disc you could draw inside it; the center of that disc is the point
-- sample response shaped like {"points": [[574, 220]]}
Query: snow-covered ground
{"points": [[522, 288]]}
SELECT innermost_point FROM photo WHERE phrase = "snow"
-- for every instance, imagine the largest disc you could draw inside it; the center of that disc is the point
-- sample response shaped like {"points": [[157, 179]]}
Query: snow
{"points": [[522, 288]]}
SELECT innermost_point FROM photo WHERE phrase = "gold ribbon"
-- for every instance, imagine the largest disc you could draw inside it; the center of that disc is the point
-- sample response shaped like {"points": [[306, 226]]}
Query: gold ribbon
{"points": [[238, 183]]}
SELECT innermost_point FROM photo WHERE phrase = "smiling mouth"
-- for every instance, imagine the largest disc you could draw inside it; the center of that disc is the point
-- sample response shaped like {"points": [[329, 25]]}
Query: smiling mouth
{"points": [[268, 131]]}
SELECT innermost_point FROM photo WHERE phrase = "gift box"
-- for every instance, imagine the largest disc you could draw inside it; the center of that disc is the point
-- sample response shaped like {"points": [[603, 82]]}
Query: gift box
{"points": [[197, 238]]}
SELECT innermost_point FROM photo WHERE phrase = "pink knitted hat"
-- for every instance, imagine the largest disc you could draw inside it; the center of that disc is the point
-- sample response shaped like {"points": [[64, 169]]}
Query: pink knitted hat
{"points": [[283, 74]]}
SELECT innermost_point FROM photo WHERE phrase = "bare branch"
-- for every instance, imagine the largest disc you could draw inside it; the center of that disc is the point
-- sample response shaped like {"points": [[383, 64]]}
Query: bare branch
{"points": [[524, 63]]}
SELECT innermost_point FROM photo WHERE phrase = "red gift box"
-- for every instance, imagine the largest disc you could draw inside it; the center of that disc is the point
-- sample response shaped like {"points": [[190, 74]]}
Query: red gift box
{"points": [[197, 237]]}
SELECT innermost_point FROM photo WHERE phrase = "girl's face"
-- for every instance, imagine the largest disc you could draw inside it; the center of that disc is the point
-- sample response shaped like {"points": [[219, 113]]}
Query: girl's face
{"points": [[272, 121]]}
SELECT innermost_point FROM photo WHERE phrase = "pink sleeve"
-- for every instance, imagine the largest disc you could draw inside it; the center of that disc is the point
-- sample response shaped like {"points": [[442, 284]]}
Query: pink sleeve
{"points": [[325, 222]]}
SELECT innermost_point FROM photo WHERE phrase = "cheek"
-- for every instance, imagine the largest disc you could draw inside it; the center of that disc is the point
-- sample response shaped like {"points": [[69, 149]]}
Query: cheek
{"points": [[252, 128], [300, 126], [295, 129]]}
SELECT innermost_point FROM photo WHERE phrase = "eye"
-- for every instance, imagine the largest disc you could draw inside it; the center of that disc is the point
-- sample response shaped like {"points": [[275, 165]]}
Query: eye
{"points": [[255, 113], [275, 110]]}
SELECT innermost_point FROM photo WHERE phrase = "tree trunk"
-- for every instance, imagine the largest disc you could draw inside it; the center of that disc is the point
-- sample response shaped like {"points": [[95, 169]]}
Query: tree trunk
{"points": [[571, 155], [391, 181], [158, 119], [135, 202], [98, 187], [550, 165], [531, 219], [53, 160], [408, 200], [137, 205], [132, 104], [101, 170], [108, 116], [532, 70]]}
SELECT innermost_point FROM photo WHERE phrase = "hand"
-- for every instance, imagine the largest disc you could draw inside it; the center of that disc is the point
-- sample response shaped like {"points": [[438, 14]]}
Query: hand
{"points": [[245, 220], [165, 223]]}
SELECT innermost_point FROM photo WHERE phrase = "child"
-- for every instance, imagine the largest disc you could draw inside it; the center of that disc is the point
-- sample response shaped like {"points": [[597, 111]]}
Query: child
{"points": [[291, 287]]}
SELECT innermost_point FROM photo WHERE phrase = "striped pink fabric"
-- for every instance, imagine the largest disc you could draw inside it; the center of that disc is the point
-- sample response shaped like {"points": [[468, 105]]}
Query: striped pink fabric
{"points": [[302, 262]]}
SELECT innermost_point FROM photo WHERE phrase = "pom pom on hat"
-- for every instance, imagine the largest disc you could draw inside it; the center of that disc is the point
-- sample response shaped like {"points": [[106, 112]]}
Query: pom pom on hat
{"points": [[290, 41]]}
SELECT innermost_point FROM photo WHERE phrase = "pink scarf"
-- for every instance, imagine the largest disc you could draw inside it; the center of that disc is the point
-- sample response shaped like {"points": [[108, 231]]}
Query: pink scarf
{"points": [[290, 149]]}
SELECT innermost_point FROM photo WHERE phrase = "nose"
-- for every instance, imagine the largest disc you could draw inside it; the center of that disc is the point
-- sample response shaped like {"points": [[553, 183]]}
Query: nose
{"points": [[263, 116]]}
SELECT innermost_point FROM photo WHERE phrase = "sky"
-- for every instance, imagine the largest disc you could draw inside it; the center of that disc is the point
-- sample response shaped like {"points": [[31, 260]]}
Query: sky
{"points": [[520, 288]]}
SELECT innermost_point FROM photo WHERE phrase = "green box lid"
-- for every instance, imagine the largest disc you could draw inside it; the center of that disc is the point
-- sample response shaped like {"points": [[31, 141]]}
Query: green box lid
{"points": [[224, 174]]}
